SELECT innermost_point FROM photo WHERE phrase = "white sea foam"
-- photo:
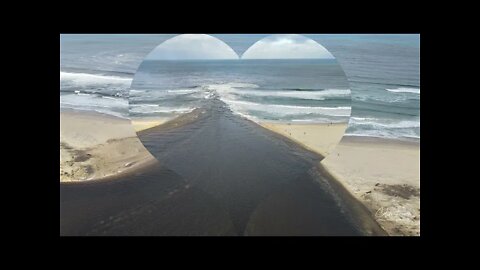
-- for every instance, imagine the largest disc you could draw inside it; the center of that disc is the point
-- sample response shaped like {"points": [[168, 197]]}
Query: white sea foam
{"points": [[384, 128], [154, 108], [228, 93], [248, 116], [108, 105], [143, 105], [284, 110], [405, 90], [91, 79], [183, 91], [303, 120], [315, 95], [87, 100], [384, 134], [239, 88], [134, 91], [379, 123]]}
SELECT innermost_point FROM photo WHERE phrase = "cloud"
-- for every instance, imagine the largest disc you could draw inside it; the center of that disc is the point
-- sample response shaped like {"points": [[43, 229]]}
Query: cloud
{"points": [[286, 47], [192, 46]]}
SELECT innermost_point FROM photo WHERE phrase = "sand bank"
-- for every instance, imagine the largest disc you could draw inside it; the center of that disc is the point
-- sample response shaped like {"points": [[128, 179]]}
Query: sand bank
{"points": [[321, 138], [382, 174], [94, 146]]}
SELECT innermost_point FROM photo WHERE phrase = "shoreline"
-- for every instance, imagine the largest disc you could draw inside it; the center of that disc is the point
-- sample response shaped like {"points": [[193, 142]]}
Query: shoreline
{"points": [[317, 137], [118, 177], [298, 191], [382, 174], [95, 146], [141, 124], [369, 139], [369, 202]]}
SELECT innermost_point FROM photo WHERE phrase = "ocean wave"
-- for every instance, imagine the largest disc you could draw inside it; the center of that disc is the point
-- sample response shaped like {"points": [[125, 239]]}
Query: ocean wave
{"points": [[134, 91], [318, 95], [229, 93], [242, 85], [183, 91], [304, 89], [108, 105], [405, 90], [107, 97], [87, 100], [155, 108], [162, 96], [409, 134], [90, 79], [383, 127], [99, 110], [396, 100], [321, 120], [352, 80], [284, 110], [384, 123]]}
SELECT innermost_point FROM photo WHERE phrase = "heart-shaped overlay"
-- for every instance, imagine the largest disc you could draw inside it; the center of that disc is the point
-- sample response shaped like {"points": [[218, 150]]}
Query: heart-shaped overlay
{"points": [[222, 50]]}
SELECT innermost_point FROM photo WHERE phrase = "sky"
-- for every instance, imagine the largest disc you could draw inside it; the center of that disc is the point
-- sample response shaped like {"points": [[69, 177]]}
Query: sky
{"points": [[192, 47], [286, 47], [201, 46]]}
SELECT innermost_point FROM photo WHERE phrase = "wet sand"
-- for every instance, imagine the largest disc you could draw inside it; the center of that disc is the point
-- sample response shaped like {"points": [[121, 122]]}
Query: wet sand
{"points": [[382, 174], [218, 174]]}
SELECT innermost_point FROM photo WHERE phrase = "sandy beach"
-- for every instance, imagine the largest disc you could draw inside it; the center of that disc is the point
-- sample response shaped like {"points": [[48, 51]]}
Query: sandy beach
{"points": [[94, 146], [218, 174], [140, 124], [383, 174], [320, 138]]}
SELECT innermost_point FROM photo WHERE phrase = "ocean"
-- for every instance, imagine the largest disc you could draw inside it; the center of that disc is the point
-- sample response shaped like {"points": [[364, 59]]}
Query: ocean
{"points": [[312, 90], [383, 74]]}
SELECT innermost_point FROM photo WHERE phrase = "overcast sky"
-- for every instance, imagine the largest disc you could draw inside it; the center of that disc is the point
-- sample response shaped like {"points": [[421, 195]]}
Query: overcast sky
{"points": [[200, 46], [286, 47], [192, 47]]}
